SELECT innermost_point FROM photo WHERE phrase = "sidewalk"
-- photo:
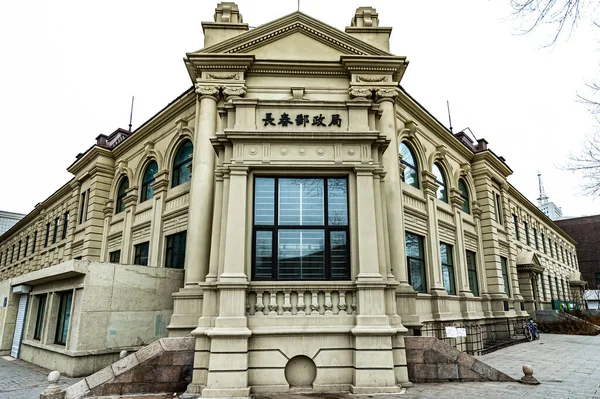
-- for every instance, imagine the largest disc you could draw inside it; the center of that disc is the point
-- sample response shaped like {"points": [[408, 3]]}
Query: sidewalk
{"points": [[567, 366]]}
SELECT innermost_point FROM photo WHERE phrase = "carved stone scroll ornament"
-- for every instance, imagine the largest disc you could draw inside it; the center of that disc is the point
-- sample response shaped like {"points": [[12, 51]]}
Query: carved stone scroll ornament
{"points": [[360, 92], [371, 79], [234, 91], [386, 93], [206, 90], [223, 76]]}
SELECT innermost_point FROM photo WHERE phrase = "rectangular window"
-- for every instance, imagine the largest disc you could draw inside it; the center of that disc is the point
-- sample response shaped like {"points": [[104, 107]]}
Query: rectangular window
{"points": [[34, 242], [543, 287], [498, 209], [55, 235], [300, 229], [556, 250], [141, 254], [64, 317], [19, 251], [39, 319], [82, 207], [526, 233], [415, 260], [544, 242], [535, 239], [47, 235], [0, 257], [550, 245], [12, 254], [557, 288], [175, 255], [504, 265], [26, 246], [562, 255], [550, 287], [447, 268], [516, 225], [472, 270], [115, 256], [65, 226], [597, 277]]}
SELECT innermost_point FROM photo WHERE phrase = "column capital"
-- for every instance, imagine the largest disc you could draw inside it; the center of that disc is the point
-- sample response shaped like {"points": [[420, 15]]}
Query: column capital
{"points": [[429, 184], [108, 209], [131, 197], [161, 182], [386, 94], [230, 91], [476, 209], [456, 199], [207, 91], [361, 93]]}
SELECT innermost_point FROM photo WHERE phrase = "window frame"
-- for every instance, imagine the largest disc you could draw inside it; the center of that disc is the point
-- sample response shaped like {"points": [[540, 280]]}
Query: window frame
{"points": [[40, 317], [33, 245], [516, 227], [114, 254], [421, 261], [499, 209], [449, 266], [65, 227], [61, 336], [505, 275], [414, 168], [535, 239], [325, 227], [442, 185], [472, 272], [464, 193], [526, 227], [47, 235], [121, 194], [544, 244], [137, 253], [176, 174], [146, 191], [82, 206], [55, 233], [170, 249]]}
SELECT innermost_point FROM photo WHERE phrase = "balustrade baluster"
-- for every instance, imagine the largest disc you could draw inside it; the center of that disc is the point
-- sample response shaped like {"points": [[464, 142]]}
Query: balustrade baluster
{"points": [[259, 306], [328, 306], [273, 303], [300, 305], [342, 304], [314, 304], [287, 304], [248, 307]]}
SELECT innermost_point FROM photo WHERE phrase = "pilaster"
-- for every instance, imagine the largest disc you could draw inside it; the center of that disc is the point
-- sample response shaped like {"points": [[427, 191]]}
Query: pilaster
{"points": [[160, 187]]}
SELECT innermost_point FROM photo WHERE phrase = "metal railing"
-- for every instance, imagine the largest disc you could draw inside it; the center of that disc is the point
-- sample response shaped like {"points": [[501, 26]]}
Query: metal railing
{"points": [[481, 336]]}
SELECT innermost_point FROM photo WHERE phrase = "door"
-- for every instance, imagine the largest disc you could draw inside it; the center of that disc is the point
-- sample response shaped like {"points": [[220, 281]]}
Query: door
{"points": [[18, 336]]}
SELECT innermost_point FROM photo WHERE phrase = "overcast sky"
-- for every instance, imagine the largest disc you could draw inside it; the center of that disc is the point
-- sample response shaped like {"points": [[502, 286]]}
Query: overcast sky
{"points": [[70, 67]]}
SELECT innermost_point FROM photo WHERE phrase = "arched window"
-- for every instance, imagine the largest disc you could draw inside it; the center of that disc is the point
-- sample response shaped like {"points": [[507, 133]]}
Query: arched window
{"points": [[464, 193], [440, 179], [181, 173], [121, 192], [148, 180], [411, 171]]}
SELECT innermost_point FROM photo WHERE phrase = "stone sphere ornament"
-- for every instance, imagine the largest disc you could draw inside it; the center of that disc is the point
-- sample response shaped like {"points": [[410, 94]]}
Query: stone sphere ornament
{"points": [[528, 378]]}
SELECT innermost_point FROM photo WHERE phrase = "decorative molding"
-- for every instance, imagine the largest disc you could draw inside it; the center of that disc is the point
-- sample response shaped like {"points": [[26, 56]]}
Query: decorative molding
{"points": [[223, 76], [234, 91], [360, 92], [371, 79], [387, 93], [206, 90]]}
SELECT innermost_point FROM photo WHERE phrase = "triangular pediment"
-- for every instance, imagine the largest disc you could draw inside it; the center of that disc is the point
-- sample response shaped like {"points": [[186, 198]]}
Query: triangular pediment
{"points": [[296, 36], [528, 261]]}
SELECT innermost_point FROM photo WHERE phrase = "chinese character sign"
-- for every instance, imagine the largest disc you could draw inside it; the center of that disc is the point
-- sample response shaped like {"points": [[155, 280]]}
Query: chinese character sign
{"points": [[286, 120]]}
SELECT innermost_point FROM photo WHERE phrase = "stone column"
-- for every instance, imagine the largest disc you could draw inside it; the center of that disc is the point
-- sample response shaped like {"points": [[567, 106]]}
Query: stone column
{"points": [[130, 202], [481, 270], [201, 187], [108, 212], [517, 298], [160, 187], [462, 275], [228, 362], [432, 241], [373, 366], [391, 188]]}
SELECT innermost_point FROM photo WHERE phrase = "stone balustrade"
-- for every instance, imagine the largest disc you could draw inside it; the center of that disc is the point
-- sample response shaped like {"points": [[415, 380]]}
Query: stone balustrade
{"points": [[289, 299]]}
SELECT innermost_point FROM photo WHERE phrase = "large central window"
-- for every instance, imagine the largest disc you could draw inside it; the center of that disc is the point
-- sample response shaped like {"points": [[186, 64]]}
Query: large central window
{"points": [[300, 229]]}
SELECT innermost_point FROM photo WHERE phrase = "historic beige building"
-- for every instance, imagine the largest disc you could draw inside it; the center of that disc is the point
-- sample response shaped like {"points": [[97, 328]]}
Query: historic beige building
{"points": [[319, 214]]}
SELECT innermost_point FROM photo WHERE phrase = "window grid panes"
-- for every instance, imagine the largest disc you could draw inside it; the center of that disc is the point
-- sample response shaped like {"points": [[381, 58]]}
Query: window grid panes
{"points": [[65, 226], [64, 317], [498, 209], [415, 260], [472, 271], [535, 239], [148, 180], [447, 268], [516, 225], [411, 171], [40, 317], [55, 235], [526, 227], [440, 179], [181, 172], [121, 192], [464, 193], [115, 256], [505, 279], [175, 253], [301, 229], [141, 254]]}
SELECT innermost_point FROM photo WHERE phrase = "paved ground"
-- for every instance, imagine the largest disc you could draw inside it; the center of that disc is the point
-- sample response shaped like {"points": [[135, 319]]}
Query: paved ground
{"points": [[567, 367], [22, 380]]}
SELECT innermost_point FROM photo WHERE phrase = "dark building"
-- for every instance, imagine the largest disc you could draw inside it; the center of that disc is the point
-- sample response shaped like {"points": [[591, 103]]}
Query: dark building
{"points": [[586, 231]]}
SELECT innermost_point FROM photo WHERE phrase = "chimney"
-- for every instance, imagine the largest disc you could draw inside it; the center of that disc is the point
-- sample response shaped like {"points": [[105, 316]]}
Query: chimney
{"points": [[365, 26], [228, 23]]}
